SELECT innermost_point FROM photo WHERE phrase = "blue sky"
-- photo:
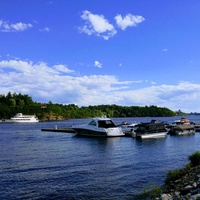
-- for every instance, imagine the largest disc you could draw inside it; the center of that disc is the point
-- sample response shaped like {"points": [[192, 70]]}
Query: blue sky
{"points": [[129, 53]]}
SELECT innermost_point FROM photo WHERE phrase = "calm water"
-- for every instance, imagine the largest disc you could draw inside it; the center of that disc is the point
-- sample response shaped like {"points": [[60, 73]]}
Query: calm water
{"points": [[49, 165]]}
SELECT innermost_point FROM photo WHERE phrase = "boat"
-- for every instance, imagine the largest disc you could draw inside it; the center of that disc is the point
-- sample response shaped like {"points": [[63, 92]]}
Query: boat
{"points": [[197, 126], [183, 120], [151, 130], [20, 118], [128, 128], [99, 127], [182, 127]]}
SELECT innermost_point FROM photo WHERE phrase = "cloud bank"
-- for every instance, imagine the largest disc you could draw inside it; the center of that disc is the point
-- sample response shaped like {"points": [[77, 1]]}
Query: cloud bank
{"points": [[60, 84]]}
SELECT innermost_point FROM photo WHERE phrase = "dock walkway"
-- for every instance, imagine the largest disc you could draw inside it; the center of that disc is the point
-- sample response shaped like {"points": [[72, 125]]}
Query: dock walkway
{"points": [[67, 130]]}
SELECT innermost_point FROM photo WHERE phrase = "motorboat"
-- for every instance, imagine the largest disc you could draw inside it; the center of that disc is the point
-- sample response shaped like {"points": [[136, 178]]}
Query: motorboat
{"points": [[126, 124], [183, 120], [20, 118], [128, 128], [150, 130], [99, 127], [182, 127]]}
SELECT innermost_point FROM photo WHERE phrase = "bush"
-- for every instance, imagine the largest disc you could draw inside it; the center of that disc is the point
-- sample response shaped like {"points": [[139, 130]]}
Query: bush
{"points": [[195, 158], [173, 175], [151, 192]]}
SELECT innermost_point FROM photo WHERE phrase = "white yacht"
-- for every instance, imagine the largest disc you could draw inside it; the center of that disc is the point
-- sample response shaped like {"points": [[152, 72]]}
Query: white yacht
{"points": [[20, 118], [99, 127]]}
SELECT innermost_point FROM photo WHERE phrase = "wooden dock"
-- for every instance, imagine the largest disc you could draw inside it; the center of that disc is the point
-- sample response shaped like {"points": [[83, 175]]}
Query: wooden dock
{"points": [[66, 130]]}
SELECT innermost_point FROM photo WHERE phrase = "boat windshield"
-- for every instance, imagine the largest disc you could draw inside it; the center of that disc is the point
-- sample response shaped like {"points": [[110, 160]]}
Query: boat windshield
{"points": [[106, 124]]}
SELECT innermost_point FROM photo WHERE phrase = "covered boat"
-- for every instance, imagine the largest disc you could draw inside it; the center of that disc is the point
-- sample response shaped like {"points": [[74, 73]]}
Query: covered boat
{"points": [[152, 130], [182, 129], [99, 127]]}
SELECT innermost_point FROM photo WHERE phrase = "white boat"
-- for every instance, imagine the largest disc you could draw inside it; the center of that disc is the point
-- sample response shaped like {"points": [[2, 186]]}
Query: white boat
{"points": [[99, 127], [128, 128], [20, 118], [152, 130]]}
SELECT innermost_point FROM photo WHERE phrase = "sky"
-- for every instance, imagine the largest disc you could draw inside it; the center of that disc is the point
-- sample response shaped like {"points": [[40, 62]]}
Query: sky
{"points": [[90, 52]]}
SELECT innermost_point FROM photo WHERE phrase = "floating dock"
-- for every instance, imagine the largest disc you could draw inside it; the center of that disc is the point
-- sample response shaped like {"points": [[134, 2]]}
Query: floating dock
{"points": [[66, 130]]}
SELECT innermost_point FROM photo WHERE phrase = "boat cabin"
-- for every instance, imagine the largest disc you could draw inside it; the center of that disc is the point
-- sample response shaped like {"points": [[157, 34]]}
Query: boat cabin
{"points": [[102, 123]]}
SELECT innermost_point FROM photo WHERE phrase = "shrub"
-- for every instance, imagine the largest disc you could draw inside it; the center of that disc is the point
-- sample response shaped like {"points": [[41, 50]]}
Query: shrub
{"points": [[151, 192], [173, 175], [195, 158]]}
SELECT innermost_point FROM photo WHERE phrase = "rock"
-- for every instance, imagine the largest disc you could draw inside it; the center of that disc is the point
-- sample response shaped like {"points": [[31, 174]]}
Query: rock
{"points": [[186, 187]]}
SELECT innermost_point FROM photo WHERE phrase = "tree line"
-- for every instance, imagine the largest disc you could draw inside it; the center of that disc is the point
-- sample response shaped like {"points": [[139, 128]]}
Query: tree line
{"points": [[13, 103]]}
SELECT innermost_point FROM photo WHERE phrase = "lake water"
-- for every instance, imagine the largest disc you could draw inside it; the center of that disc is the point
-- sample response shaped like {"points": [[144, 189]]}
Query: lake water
{"points": [[51, 165]]}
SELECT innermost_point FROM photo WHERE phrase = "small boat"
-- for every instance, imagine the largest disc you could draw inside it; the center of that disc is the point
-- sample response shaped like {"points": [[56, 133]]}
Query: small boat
{"points": [[183, 120], [99, 127], [182, 129], [20, 118], [128, 128], [152, 130]]}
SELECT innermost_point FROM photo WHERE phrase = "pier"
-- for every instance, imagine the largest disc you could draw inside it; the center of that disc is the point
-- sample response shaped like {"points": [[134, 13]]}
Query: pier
{"points": [[67, 130]]}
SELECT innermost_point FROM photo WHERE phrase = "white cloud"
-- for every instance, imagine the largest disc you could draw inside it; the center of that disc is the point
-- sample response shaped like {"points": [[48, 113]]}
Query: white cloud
{"points": [[128, 20], [56, 83], [98, 25], [97, 64], [63, 68], [46, 29], [6, 27]]}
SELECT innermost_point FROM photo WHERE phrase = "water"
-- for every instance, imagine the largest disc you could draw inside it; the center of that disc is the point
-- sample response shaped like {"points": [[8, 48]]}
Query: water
{"points": [[51, 165]]}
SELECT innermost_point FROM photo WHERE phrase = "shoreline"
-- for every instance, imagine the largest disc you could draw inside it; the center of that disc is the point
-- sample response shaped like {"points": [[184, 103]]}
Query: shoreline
{"points": [[185, 187]]}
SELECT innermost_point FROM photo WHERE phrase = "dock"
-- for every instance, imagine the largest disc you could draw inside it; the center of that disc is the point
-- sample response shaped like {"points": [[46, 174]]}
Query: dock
{"points": [[66, 130]]}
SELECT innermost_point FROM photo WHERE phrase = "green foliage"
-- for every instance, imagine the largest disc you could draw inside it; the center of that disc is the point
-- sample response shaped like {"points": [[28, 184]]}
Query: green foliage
{"points": [[11, 104], [151, 191], [195, 158], [173, 175]]}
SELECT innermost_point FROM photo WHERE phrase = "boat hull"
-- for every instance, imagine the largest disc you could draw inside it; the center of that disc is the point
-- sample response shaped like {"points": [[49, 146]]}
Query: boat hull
{"points": [[97, 133], [20, 121], [182, 132], [149, 136]]}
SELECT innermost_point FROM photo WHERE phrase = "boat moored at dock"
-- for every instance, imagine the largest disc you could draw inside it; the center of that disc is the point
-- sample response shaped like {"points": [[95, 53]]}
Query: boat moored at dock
{"points": [[99, 127], [152, 130], [182, 127]]}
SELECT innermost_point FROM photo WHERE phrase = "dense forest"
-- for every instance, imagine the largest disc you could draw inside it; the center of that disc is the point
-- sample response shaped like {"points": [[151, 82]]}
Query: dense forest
{"points": [[11, 104]]}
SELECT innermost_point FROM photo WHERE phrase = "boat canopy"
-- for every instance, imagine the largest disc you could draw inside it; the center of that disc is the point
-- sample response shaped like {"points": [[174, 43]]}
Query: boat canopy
{"points": [[149, 127]]}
